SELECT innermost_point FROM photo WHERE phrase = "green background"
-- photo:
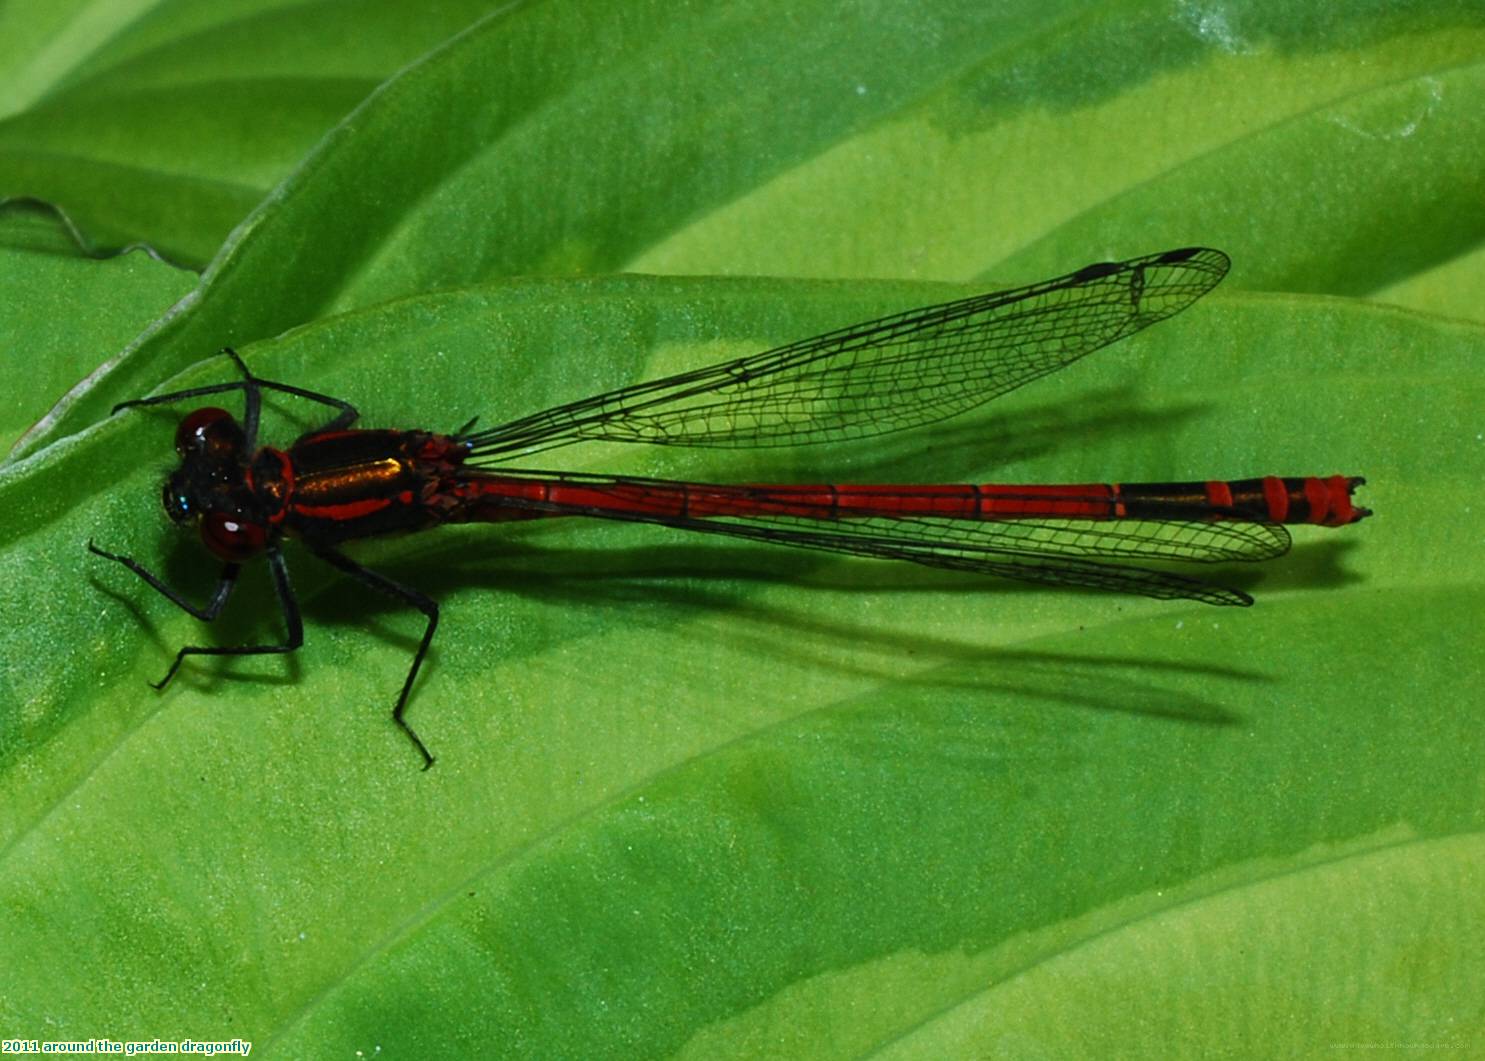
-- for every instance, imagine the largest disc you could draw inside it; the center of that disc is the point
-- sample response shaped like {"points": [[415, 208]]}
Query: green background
{"points": [[706, 800]]}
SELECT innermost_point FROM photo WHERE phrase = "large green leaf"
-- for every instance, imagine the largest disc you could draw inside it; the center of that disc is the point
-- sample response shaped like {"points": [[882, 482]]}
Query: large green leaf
{"points": [[708, 799], [941, 140], [758, 802]]}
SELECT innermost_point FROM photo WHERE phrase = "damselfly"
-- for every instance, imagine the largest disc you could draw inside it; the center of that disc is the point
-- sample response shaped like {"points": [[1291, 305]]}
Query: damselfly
{"points": [[336, 484]]}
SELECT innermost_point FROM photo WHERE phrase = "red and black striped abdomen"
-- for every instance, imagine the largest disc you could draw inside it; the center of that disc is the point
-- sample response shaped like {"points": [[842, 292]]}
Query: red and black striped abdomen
{"points": [[1272, 499]]}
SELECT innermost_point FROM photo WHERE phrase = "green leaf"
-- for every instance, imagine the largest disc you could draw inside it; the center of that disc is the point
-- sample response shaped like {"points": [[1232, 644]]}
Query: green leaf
{"points": [[699, 798], [64, 314], [948, 141], [1363, 150], [705, 797], [166, 123]]}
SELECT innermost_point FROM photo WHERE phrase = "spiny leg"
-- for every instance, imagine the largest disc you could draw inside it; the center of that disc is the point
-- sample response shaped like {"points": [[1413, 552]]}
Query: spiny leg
{"points": [[287, 602], [343, 419], [251, 387], [206, 612], [418, 600]]}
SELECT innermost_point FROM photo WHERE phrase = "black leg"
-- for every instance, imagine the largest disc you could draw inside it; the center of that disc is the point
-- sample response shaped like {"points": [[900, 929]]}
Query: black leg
{"points": [[343, 419], [213, 607], [290, 608], [420, 601], [173, 396], [206, 612], [252, 402], [251, 387]]}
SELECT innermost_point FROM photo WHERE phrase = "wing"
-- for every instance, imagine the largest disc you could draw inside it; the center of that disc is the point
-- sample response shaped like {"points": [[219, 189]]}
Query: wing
{"points": [[1054, 551], [914, 368]]}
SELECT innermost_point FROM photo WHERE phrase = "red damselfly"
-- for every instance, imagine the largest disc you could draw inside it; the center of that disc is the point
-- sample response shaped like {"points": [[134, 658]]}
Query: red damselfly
{"points": [[336, 484]]}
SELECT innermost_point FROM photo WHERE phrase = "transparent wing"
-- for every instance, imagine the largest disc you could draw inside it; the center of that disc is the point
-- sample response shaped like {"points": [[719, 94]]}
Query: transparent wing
{"points": [[913, 368], [1055, 551]]}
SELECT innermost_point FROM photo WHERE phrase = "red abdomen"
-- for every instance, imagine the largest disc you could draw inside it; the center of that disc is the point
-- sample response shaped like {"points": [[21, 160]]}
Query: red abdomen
{"points": [[1325, 501]]}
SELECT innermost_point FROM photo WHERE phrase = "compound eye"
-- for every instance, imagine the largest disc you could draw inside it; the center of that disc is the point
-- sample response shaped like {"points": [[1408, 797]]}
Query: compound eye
{"points": [[177, 505], [232, 539], [201, 429]]}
